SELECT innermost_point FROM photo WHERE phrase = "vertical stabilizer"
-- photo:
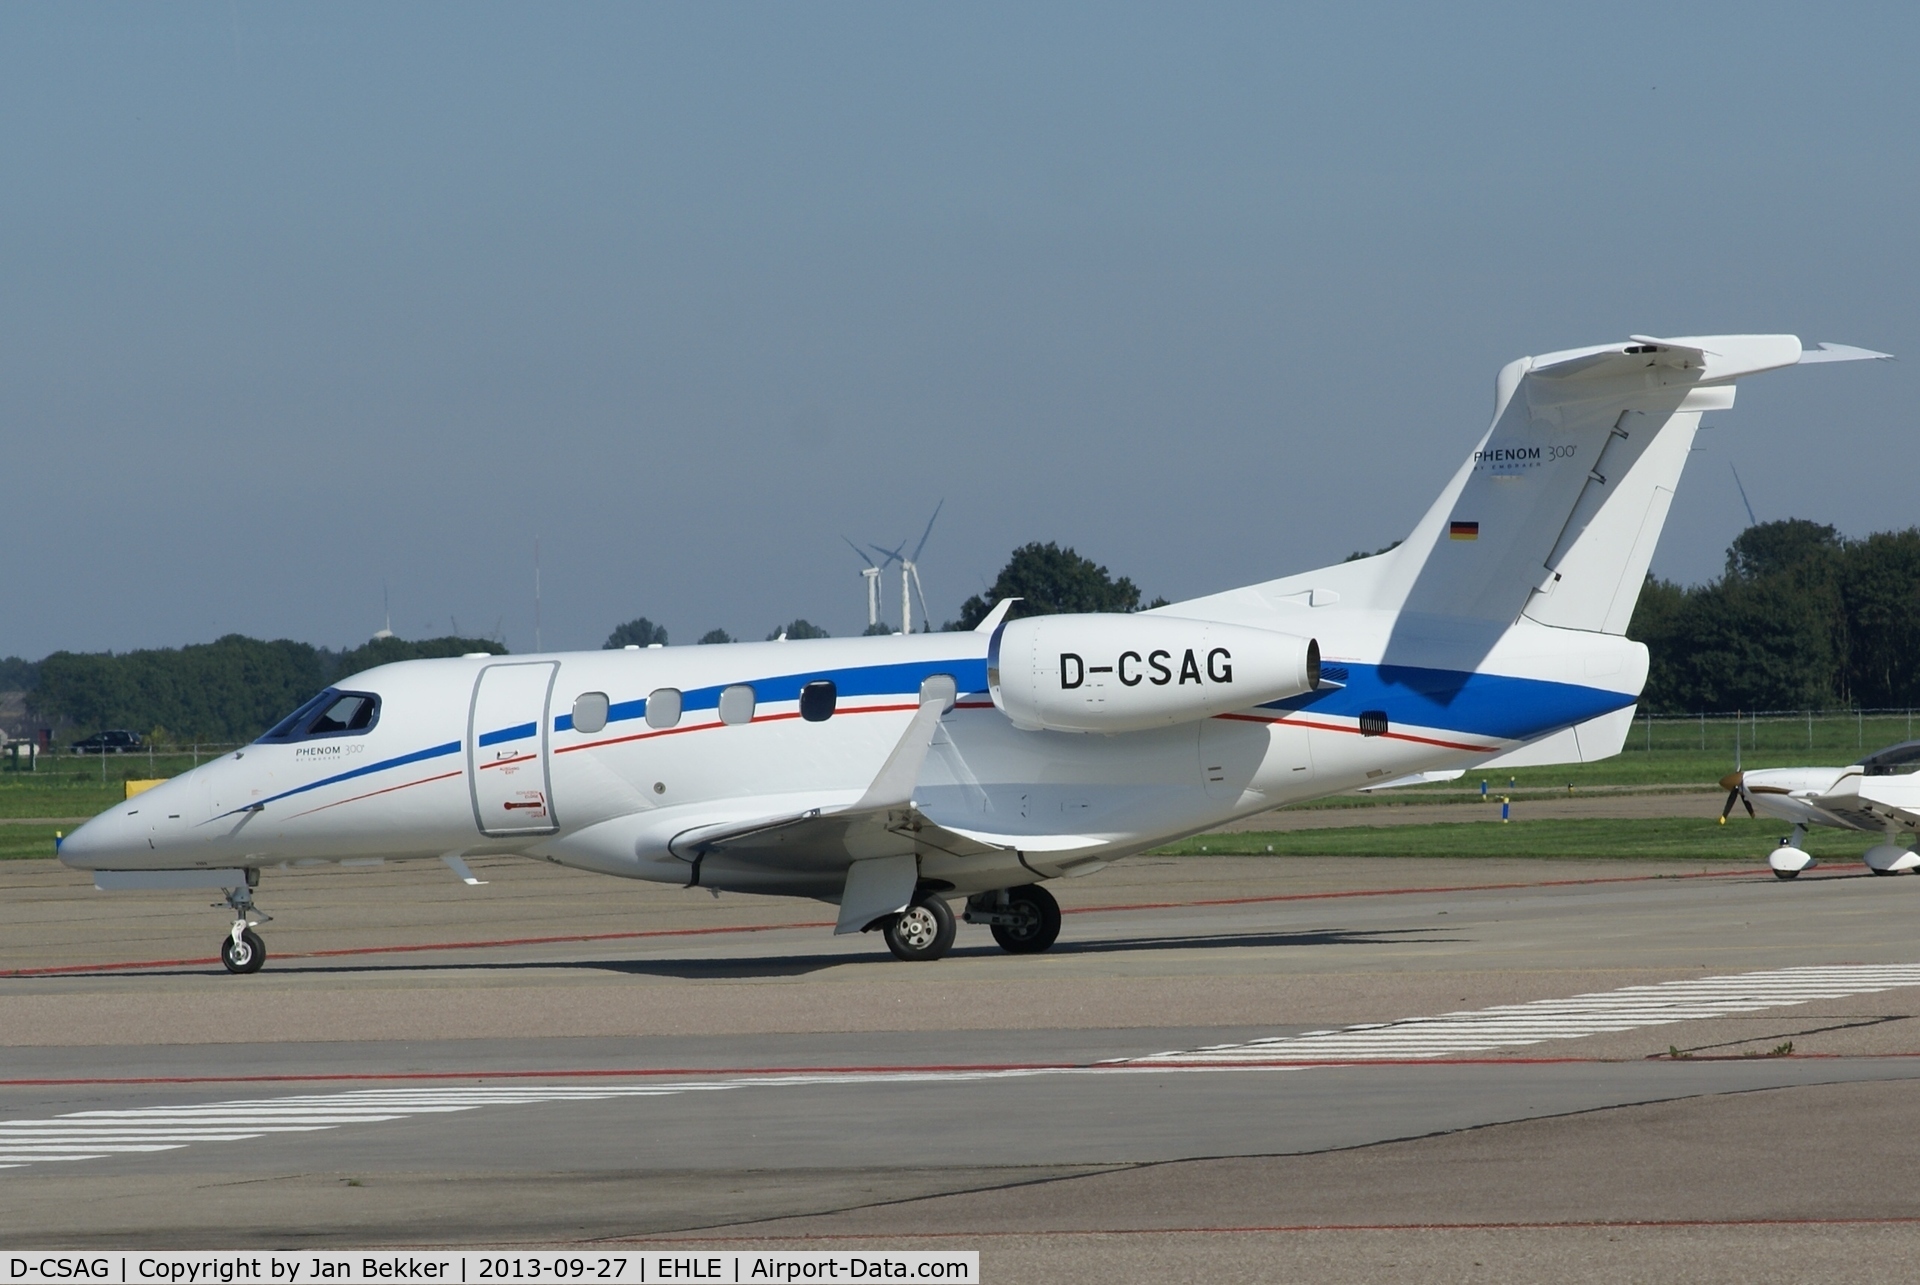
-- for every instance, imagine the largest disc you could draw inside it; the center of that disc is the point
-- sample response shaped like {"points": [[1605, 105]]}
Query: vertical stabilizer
{"points": [[1556, 512]]}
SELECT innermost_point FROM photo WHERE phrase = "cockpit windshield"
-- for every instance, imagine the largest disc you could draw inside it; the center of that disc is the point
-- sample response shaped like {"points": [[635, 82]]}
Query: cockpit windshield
{"points": [[1892, 761], [331, 713]]}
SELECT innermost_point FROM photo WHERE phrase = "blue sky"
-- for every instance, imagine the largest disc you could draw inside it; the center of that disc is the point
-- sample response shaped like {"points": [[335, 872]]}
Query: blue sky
{"points": [[300, 301]]}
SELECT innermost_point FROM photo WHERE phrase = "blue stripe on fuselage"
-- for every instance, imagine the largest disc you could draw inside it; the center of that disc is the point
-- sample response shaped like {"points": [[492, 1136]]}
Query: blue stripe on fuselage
{"points": [[1459, 701], [520, 732], [866, 680], [438, 751]]}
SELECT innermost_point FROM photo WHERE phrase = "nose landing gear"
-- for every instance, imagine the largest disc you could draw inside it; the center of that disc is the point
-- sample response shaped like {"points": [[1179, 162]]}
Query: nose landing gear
{"points": [[241, 950]]}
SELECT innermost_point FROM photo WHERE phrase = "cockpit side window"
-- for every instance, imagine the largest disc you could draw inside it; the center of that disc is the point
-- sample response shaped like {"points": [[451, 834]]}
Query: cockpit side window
{"points": [[331, 713]]}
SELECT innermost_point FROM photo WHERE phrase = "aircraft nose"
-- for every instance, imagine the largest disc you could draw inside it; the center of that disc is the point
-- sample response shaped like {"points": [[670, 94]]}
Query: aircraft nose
{"points": [[110, 839], [1732, 780]]}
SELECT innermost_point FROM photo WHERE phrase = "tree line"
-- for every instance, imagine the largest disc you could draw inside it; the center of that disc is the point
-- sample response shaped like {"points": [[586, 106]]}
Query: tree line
{"points": [[225, 691], [1802, 618]]}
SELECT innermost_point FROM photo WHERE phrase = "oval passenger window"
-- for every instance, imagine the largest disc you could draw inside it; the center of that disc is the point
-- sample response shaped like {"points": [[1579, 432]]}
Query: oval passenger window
{"points": [[817, 700], [590, 712], [663, 707], [736, 705], [940, 687]]}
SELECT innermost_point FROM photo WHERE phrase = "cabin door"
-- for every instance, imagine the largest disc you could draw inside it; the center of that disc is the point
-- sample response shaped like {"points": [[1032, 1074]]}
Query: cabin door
{"points": [[507, 730]]}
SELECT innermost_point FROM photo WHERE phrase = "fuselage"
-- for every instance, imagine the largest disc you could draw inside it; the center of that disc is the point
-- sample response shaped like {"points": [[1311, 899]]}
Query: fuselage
{"points": [[483, 755]]}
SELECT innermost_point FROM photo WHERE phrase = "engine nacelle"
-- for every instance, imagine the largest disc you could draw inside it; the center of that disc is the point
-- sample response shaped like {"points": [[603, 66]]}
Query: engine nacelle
{"points": [[1111, 673]]}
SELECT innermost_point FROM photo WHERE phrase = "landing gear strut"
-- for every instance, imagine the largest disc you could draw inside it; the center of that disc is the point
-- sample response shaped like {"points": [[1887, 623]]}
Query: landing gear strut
{"points": [[1024, 920], [241, 950]]}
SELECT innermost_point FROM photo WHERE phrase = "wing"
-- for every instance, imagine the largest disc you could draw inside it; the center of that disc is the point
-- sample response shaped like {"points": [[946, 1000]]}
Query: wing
{"points": [[868, 851]]}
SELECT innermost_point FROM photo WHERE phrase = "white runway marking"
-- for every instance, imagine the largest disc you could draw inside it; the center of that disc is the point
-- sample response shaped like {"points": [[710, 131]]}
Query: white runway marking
{"points": [[141, 1131], [93, 1135], [1604, 1012]]}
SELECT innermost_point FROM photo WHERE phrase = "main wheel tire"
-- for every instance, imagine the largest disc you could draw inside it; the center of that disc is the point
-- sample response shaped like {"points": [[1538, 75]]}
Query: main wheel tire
{"points": [[1040, 921], [244, 956], [1786, 874], [923, 930]]}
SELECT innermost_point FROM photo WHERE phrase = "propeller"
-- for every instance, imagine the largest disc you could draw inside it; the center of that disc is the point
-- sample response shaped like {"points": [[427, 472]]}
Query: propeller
{"points": [[918, 548], [1735, 783]]}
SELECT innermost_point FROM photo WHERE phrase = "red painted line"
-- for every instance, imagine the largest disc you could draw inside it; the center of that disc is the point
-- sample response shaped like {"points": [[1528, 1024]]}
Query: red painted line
{"points": [[696, 1238], [425, 780], [131, 965], [423, 946], [1355, 731], [1401, 892]]}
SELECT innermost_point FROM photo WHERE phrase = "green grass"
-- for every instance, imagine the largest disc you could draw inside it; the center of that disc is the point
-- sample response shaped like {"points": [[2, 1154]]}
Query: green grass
{"points": [[70, 785], [1668, 838], [22, 841], [1676, 757]]}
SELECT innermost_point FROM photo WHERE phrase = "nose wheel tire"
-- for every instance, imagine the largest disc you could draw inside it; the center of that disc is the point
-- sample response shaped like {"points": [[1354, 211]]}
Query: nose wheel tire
{"points": [[1039, 925], [923, 930], [1786, 874], [245, 955]]}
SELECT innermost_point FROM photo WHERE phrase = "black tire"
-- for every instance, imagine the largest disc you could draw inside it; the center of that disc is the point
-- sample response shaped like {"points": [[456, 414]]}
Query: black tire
{"points": [[1879, 871], [923, 930], [247, 957], [1786, 874], [1040, 926]]}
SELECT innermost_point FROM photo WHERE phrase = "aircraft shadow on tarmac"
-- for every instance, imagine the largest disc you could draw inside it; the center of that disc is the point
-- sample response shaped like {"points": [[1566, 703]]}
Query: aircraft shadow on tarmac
{"points": [[800, 965]]}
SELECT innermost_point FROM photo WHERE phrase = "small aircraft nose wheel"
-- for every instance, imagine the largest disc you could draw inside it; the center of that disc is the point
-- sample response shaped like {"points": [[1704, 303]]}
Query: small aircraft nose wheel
{"points": [[241, 950], [1039, 916], [1786, 874], [923, 930], [243, 954]]}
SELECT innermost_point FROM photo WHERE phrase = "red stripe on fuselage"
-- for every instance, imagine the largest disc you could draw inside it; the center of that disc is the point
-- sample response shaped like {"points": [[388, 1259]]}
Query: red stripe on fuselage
{"points": [[1355, 731], [444, 776], [703, 727]]}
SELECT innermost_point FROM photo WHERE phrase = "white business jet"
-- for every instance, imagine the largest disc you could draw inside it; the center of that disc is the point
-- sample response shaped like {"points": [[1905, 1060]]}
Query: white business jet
{"points": [[1879, 794], [895, 775]]}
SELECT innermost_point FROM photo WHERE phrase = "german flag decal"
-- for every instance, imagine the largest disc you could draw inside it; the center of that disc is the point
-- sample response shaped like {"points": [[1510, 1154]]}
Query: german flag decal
{"points": [[1463, 531]]}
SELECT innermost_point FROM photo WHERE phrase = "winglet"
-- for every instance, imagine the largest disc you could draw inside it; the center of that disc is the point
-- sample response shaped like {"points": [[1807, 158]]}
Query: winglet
{"points": [[994, 617], [1841, 352]]}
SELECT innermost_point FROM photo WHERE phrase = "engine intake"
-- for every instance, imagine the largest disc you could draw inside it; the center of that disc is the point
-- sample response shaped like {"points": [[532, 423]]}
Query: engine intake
{"points": [[1113, 673]]}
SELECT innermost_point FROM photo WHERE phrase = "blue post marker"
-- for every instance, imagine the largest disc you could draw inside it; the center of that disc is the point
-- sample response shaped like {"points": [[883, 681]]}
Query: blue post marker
{"points": [[1483, 789], [1506, 809]]}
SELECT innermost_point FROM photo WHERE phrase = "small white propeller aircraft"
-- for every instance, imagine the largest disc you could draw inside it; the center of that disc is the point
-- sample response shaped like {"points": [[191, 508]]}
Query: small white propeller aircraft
{"points": [[1879, 794], [892, 775]]}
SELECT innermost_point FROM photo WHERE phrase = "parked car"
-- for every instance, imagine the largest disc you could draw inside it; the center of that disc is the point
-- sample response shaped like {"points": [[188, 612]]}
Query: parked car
{"points": [[117, 741]]}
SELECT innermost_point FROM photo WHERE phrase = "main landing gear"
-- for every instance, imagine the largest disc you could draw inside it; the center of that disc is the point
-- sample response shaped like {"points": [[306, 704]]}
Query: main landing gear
{"points": [[1790, 858], [1024, 920], [241, 950]]}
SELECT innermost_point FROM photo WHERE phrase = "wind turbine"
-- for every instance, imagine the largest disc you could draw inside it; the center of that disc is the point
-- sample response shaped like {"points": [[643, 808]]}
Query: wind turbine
{"points": [[910, 575], [1751, 520], [871, 574]]}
